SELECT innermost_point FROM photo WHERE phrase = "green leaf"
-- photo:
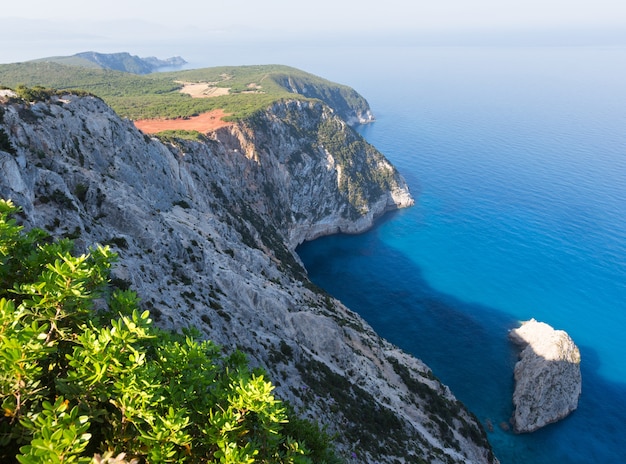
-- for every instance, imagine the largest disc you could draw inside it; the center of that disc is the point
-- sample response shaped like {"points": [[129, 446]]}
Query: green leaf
{"points": [[72, 380]]}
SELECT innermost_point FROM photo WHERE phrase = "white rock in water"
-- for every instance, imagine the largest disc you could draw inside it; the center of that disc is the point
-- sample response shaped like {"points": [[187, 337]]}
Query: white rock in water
{"points": [[547, 376]]}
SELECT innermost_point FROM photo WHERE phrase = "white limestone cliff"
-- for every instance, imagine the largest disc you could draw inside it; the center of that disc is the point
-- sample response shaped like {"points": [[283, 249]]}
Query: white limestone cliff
{"points": [[548, 381], [206, 233]]}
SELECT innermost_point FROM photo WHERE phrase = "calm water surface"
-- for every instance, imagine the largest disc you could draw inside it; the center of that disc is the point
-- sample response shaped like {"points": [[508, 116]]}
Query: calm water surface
{"points": [[517, 160]]}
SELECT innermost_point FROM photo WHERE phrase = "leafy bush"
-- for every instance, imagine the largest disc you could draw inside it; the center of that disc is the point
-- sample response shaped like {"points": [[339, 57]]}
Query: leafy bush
{"points": [[76, 383], [172, 136], [34, 94], [5, 143]]}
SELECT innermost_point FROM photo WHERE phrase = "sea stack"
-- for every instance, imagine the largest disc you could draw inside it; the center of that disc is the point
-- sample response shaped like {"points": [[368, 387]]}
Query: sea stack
{"points": [[547, 376]]}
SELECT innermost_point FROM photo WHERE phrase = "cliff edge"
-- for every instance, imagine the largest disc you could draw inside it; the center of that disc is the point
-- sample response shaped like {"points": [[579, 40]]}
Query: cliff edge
{"points": [[205, 231], [547, 376]]}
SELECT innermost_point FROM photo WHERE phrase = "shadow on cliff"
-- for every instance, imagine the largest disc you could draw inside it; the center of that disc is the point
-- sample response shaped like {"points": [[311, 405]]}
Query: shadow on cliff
{"points": [[467, 347]]}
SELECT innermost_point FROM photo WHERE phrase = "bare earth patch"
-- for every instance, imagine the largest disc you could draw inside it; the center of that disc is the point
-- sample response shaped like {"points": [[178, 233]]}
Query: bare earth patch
{"points": [[203, 90], [205, 122]]}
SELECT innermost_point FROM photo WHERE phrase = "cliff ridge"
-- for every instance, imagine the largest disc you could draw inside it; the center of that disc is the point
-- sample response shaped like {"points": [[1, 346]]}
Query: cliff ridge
{"points": [[206, 232]]}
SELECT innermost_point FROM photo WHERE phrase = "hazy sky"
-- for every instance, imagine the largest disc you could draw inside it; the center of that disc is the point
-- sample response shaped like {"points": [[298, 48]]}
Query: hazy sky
{"points": [[35, 28], [352, 13], [319, 14]]}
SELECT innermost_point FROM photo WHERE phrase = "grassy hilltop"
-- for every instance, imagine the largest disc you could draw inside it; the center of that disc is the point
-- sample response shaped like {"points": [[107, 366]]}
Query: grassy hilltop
{"points": [[245, 89]]}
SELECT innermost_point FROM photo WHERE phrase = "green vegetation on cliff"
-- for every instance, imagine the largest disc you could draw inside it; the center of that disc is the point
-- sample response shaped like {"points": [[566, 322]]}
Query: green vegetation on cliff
{"points": [[158, 95], [75, 382]]}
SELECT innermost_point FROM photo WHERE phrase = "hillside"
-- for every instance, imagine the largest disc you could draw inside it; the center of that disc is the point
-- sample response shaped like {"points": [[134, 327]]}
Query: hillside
{"points": [[238, 90], [124, 62]]}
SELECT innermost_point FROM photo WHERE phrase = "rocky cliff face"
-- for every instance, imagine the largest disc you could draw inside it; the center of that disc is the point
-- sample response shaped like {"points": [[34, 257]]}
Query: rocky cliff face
{"points": [[206, 233], [351, 106], [547, 376]]}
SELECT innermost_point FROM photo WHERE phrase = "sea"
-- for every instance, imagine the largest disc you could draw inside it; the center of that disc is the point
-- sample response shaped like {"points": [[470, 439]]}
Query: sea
{"points": [[516, 157]]}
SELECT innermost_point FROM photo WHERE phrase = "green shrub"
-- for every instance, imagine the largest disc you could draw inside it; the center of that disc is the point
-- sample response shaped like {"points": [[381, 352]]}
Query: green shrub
{"points": [[172, 136], [5, 143], [34, 94], [75, 383]]}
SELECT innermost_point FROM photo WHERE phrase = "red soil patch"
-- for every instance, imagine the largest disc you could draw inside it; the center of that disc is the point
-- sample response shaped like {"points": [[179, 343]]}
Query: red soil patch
{"points": [[203, 123]]}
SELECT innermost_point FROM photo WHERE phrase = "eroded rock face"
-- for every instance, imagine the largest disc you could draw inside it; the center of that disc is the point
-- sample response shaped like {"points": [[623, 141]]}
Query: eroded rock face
{"points": [[206, 233], [547, 376]]}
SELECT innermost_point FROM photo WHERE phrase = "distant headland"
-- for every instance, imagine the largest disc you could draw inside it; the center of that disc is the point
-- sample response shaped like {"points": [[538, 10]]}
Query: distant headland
{"points": [[123, 61]]}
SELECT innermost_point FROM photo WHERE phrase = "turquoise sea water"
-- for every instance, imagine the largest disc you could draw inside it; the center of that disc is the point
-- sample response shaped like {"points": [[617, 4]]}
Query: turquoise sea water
{"points": [[517, 160]]}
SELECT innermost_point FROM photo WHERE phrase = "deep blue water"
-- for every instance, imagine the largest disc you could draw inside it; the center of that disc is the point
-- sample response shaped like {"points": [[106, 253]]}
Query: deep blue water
{"points": [[517, 160]]}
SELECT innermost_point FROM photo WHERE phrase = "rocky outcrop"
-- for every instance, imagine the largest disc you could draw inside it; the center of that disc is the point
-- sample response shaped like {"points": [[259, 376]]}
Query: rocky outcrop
{"points": [[348, 104], [547, 376], [326, 176], [206, 232]]}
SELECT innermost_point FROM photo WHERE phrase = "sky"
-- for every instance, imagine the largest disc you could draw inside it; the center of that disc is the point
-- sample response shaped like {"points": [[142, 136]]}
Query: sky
{"points": [[39, 28]]}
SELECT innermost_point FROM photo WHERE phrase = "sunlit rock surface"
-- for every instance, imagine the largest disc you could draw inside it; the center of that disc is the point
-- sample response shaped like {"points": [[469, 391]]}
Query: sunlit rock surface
{"points": [[547, 376]]}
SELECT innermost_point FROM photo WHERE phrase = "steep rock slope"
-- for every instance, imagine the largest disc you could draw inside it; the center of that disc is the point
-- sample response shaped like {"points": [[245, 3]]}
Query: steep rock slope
{"points": [[345, 100], [206, 233]]}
